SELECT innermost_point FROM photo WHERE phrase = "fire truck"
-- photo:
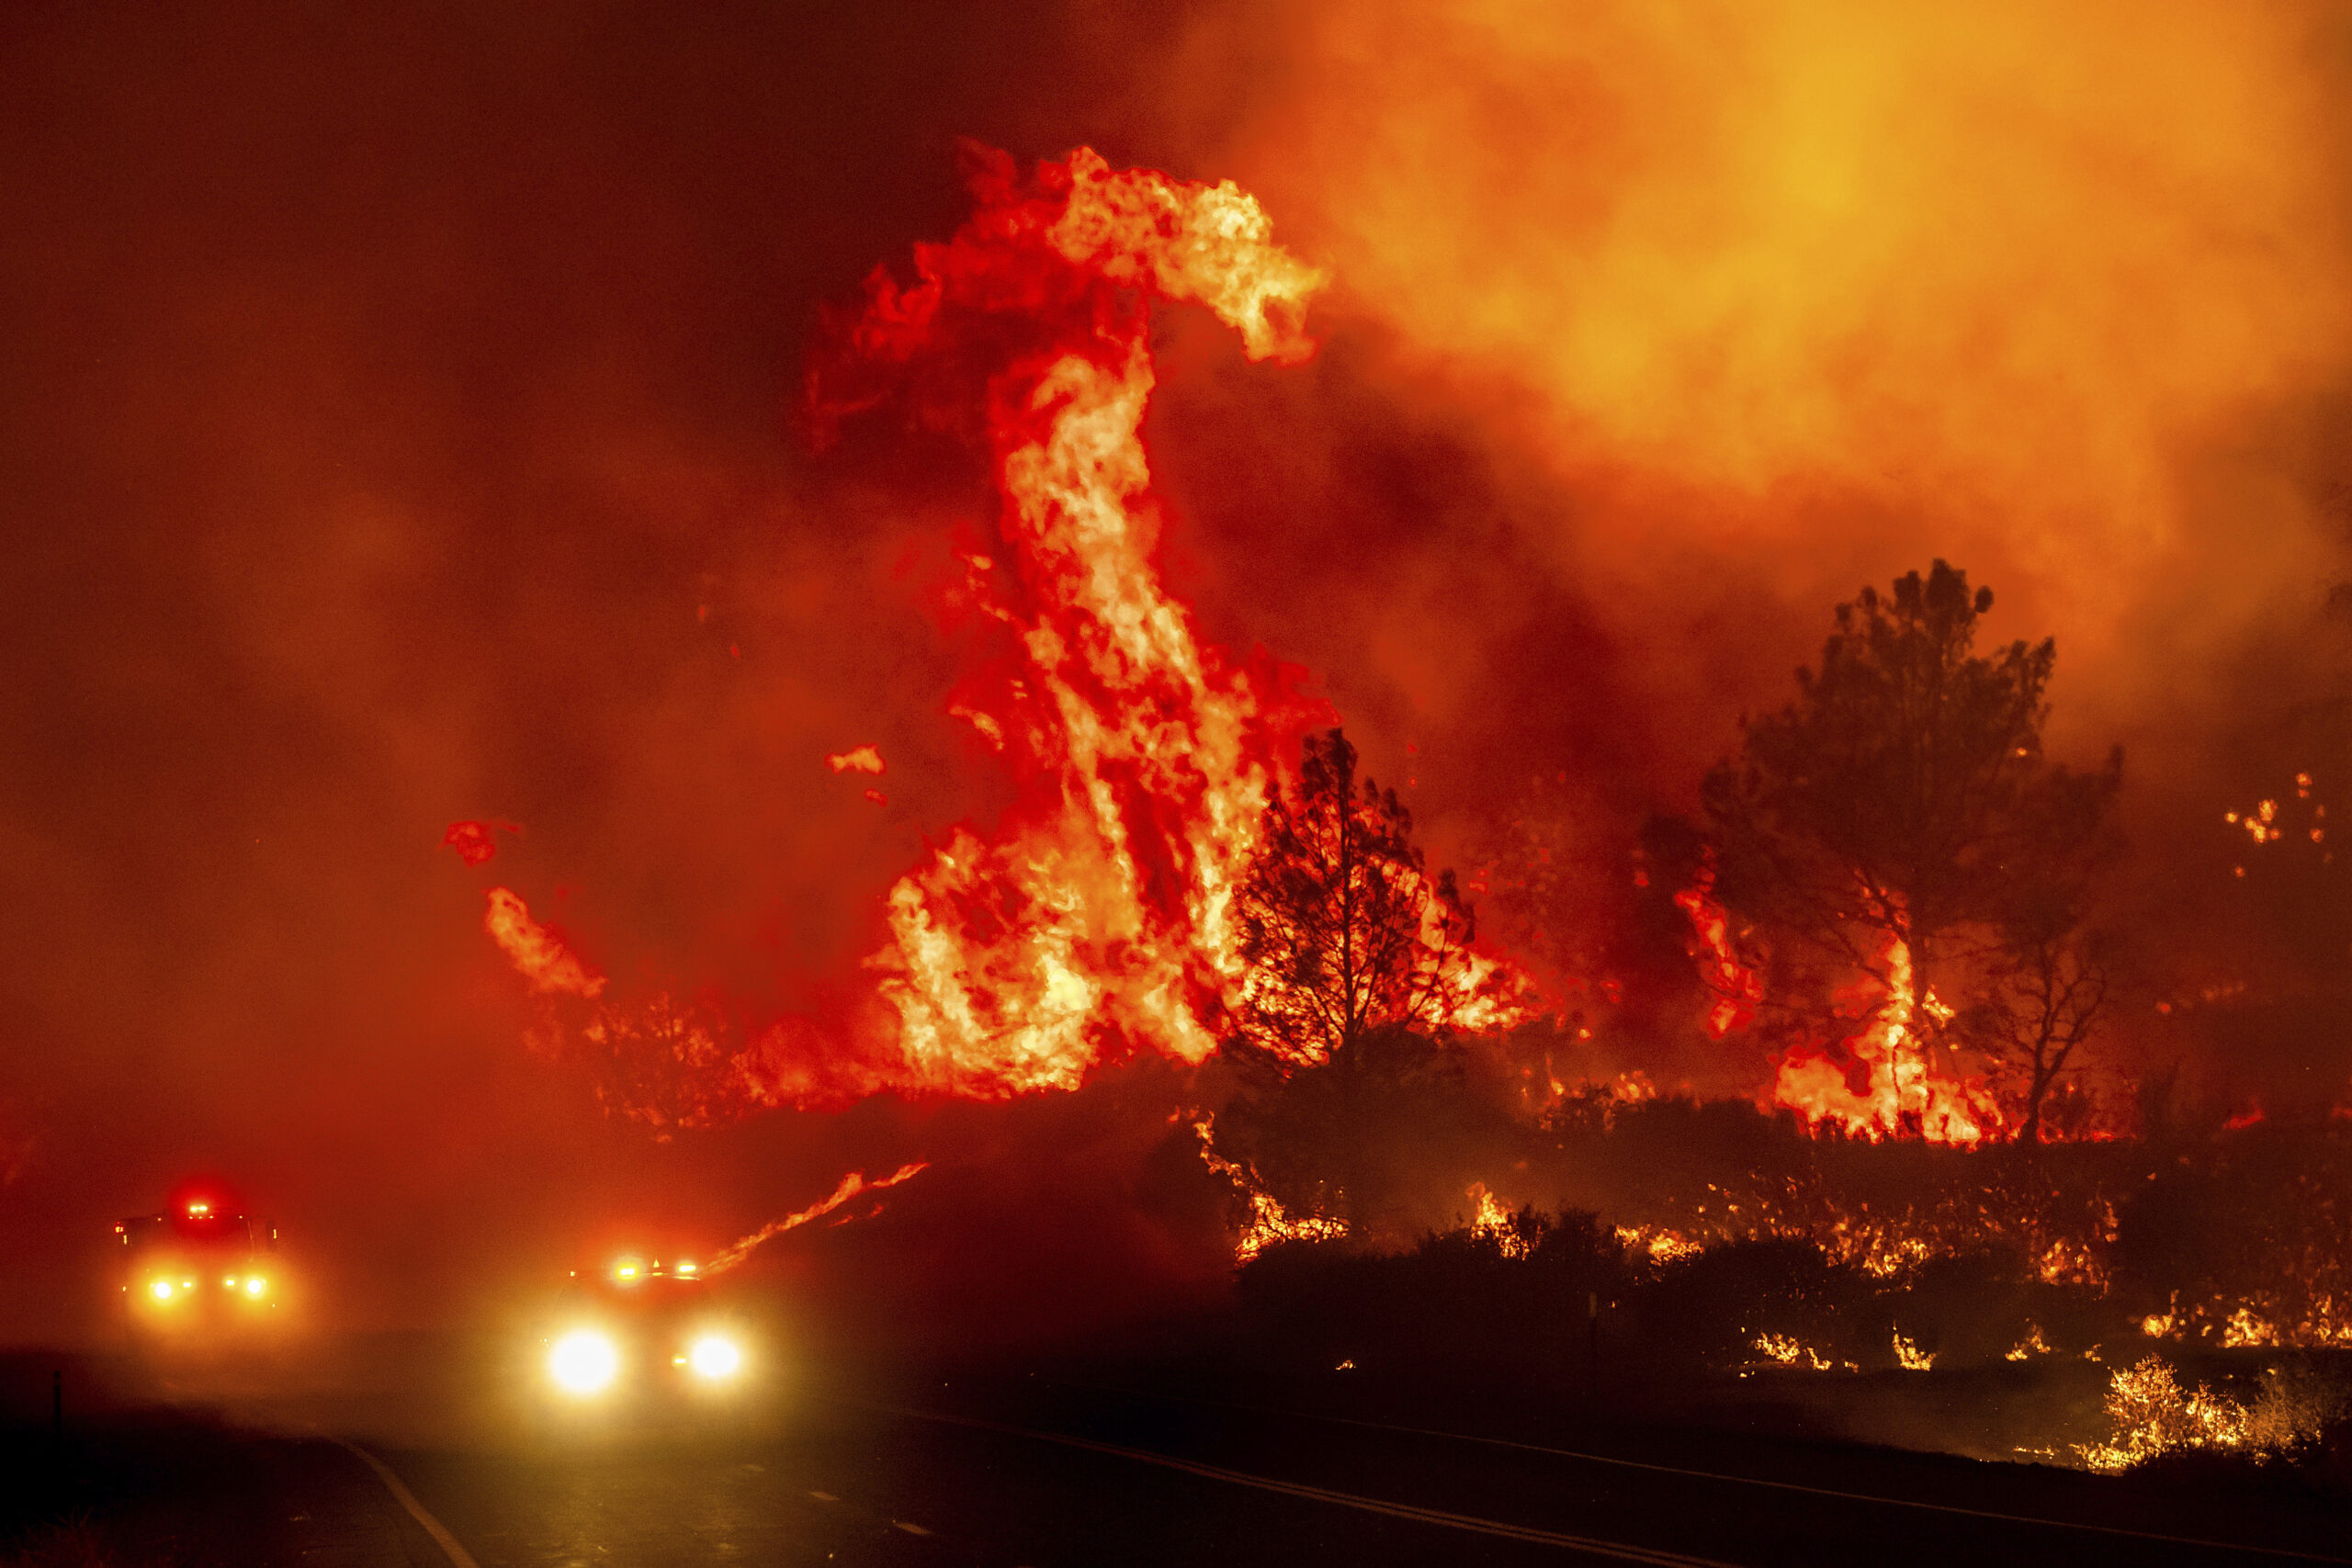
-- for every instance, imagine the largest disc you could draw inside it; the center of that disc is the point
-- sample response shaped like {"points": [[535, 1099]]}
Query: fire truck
{"points": [[199, 1268], [636, 1341]]}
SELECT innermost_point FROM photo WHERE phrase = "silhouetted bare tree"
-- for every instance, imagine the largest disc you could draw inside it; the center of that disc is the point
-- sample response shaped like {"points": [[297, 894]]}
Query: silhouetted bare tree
{"points": [[2046, 992]]}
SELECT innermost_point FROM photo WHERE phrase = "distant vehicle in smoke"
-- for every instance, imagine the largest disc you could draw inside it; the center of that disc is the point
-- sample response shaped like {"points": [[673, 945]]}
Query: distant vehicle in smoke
{"points": [[640, 1339], [197, 1272]]}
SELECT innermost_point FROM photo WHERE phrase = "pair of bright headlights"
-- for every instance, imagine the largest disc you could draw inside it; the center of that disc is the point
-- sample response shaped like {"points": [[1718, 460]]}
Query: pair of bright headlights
{"points": [[586, 1361], [164, 1289]]}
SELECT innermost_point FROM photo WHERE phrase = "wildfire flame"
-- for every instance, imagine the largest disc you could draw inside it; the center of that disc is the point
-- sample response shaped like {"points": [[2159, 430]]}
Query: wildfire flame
{"points": [[474, 841], [2152, 1415], [539, 955], [851, 1186], [1736, 988], [1879, 1082], [1490, 1222], [1658, 1244], [1788, 1350], [1099, 919], [1268, 1222], [1876, 1083]]}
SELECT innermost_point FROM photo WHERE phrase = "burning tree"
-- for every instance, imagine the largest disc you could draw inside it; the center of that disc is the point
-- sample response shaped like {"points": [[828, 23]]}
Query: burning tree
{"points": [[1898, 826], [1343, 927], [1359, 965]]}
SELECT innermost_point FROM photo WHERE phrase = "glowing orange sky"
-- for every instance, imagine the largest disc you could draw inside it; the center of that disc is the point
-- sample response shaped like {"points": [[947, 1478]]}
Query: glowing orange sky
{"points": [[2045, 289]]}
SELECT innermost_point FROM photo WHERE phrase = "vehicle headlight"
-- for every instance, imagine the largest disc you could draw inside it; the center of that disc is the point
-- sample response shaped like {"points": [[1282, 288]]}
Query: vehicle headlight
{"points": [[713, 1357], [584, 1361], [255, 1285], [161, 1290]]}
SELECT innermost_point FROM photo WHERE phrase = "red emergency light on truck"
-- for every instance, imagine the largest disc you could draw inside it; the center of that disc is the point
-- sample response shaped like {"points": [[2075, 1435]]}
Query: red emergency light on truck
{"points": [[198, 1264]]}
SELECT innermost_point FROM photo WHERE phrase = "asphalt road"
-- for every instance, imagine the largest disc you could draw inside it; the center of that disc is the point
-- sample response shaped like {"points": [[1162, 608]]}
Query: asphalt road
{"points": [[1054, 1472]]}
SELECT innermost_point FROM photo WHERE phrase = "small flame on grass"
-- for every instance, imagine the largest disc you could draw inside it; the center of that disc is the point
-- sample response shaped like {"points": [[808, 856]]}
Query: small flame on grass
{"points": [[1788, 1350], [1661, 1246], [2032, 1345]]}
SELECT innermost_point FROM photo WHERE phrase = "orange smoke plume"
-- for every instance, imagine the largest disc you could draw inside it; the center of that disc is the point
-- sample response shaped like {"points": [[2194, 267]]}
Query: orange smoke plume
{"points": [[1795, 283]]}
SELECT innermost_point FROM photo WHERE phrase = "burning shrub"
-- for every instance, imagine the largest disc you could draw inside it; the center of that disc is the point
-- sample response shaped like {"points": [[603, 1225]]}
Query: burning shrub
{"points": [[2156, 1421], [1723, 1171]]}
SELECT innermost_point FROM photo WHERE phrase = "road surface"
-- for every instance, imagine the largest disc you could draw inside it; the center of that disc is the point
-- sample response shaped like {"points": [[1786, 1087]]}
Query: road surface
{"points": [[1059, 1473]]}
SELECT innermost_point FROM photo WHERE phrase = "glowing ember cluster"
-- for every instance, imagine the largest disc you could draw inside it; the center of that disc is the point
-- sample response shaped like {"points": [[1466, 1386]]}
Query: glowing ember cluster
{"points": [[2301, 821]]}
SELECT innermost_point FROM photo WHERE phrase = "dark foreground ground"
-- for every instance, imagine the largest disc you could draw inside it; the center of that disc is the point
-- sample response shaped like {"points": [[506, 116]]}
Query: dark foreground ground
{"points": [[1062, 1464]]}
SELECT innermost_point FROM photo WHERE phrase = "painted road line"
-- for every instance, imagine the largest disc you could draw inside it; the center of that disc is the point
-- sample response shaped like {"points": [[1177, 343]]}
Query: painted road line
{"points": [[458, 1555], [910, 1529], [1622, 1551], [1717, 1476]]}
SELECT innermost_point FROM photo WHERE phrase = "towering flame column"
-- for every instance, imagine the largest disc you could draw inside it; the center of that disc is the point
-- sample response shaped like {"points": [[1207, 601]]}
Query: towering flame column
{"points": [[1098, 921]]}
